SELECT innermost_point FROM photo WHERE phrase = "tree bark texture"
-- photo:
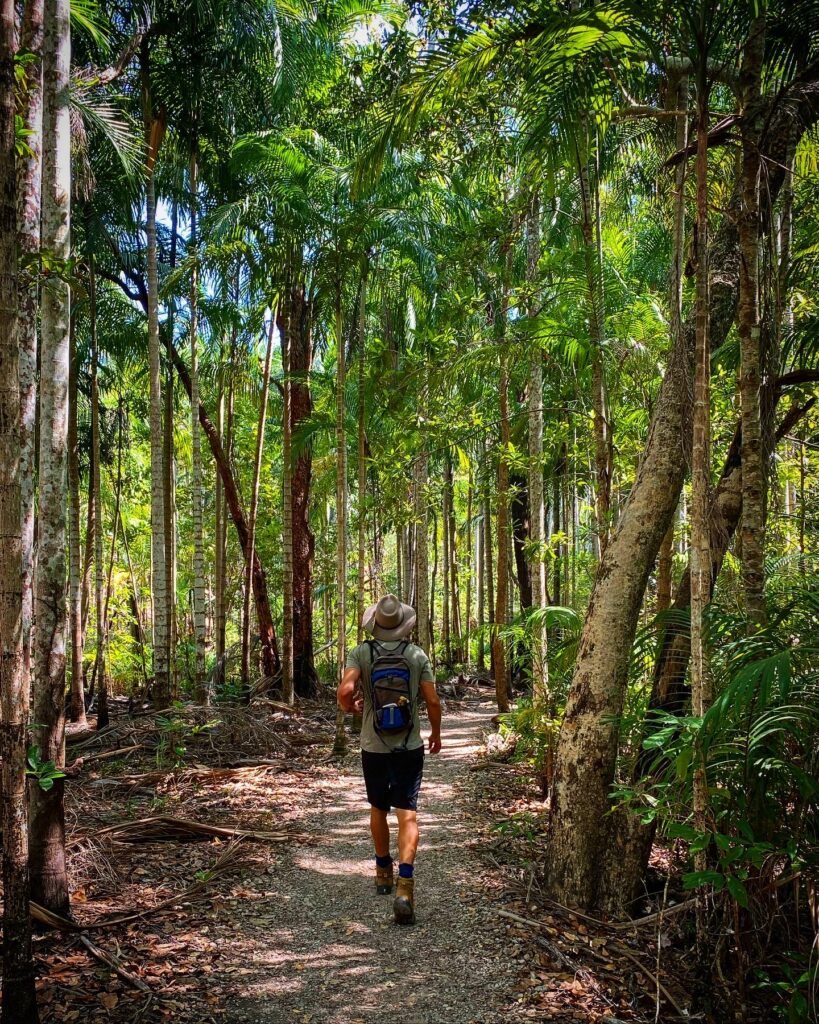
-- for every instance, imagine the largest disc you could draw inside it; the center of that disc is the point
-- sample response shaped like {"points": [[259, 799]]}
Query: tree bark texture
{"points": [[48, 872], [287, 518], [18, 994], [96, 483], [748, 329], [29, 181], [501, 668], [199, 678], [77, 706]]}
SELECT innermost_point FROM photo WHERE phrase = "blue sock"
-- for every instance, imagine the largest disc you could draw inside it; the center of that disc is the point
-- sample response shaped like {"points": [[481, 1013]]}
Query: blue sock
{"points": [[383, 862], [405, 870]]}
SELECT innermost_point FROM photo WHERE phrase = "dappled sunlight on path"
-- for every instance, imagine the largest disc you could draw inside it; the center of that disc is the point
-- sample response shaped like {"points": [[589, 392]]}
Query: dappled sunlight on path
{"points": [[324, 948]]}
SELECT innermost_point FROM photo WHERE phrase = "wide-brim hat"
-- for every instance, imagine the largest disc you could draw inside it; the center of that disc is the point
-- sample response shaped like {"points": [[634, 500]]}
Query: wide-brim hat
{"points": [[389, 619]]}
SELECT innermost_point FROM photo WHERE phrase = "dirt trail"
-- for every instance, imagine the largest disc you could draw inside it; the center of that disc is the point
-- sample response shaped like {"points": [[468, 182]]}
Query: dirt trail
{"points": [[324, 950]]}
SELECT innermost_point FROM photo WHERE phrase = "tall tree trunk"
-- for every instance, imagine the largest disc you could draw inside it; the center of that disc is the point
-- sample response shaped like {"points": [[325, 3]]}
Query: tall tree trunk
{"points": [[748, 329], [300, 356], [537, 512], [29, 175], [19, 999], [77, 708], [361, 463], [664, 566], [589, 205], [421, 517], [700, 484], [169, 470], [49, 881], [469, 569], [99, 661], [287, 513], [489, 590], [340, 743], [501, 668], [446, 635], [520, 534], [154, 130], [456, 638], [219, 514], [199, 678]]}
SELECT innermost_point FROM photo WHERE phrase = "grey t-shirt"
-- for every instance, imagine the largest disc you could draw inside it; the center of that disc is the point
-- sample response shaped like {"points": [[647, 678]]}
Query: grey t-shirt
{"points": [[420, 672]]}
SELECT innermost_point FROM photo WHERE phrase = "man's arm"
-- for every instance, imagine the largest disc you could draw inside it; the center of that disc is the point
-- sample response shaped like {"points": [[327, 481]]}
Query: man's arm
{"points": [[346, 690], [433, 702]]}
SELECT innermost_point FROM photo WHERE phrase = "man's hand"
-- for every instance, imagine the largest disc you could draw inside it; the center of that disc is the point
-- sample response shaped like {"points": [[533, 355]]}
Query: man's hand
{"points": [[358, 706], [434, 743]]}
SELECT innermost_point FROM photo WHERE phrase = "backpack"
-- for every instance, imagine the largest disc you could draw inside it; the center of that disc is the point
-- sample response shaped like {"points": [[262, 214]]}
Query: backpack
{"points": [[390, 689]]}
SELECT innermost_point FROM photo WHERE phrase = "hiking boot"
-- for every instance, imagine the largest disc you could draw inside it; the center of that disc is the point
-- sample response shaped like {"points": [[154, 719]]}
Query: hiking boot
{"points": [[384, 880], [404, 903]]}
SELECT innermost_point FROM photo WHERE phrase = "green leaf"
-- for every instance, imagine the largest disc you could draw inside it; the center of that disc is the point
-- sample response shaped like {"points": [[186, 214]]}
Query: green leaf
{"points": [[737, 890]]}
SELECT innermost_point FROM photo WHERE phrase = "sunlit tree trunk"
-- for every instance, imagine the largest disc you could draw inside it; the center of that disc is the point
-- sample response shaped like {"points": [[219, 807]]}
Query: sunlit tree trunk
{"points": [[469, 573], [421, 517], [537, 521], [589, 205], [99, 662], [49, 881], [29, 180], [361, 463], [220, 514], [340, 742], [287, 510], [77, 707], [501, 668], [19, 1000], [446, 495], [200, 680], [748, 329], [154, 130], [169, 472]]}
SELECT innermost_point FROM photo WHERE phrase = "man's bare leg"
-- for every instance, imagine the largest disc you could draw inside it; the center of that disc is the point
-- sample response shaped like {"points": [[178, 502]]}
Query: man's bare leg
{"points": [[380, 829], [407, 835]]}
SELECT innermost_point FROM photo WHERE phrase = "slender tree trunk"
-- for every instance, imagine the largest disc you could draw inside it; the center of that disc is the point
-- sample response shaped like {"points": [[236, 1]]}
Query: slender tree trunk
{"points": [[168, 469], [446, 636], [154, 130], [361, 463], [748, 329], [254, 508], [18, 994], [468, 559], [479, 571], [700, 487], [140, 629], [99, 661], [591, 254], [340, 743], [74, 551], [501, 668], [489, 589], [664, 564], [537, 521], [49, 881], [287, 512], [218, 547], [199, 679], [29, 174], [421, 517], [300, 359]]}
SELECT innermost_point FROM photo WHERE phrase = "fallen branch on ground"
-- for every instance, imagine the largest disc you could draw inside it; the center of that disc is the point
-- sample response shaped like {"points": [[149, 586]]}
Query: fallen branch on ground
{"points": [[111, 961], [165, 827]]}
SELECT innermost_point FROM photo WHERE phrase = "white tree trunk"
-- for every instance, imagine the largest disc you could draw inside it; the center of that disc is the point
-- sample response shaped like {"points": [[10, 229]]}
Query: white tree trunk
{"points": [[200, 684], [49, 879]]}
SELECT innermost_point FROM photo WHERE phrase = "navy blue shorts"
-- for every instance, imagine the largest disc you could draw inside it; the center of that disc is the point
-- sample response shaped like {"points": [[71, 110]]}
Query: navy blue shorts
{"points": [[394, 779]]}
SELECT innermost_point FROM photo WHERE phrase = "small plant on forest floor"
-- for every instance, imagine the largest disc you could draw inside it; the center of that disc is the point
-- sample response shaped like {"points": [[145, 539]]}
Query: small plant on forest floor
{"points": [[175, 733]]}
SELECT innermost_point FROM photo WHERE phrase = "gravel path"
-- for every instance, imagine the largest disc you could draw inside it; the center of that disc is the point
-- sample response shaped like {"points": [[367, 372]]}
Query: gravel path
{"points": [[326, 950]]}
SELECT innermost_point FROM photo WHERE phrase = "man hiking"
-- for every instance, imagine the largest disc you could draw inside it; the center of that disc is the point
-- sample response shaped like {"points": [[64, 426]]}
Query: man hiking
{"points": [[394, 674]]}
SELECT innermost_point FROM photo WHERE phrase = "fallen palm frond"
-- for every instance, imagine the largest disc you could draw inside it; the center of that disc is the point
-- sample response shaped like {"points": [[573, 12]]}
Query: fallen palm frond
{"points": [[203, 774], [165, 827], [115, 965], [225, 860]]}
